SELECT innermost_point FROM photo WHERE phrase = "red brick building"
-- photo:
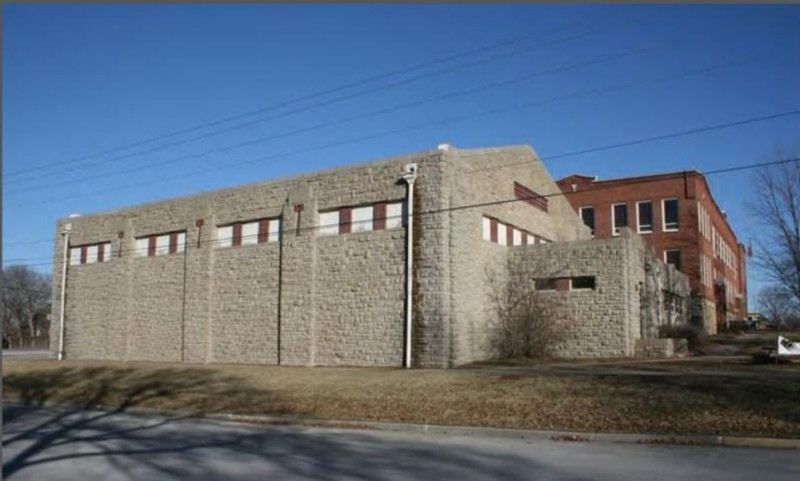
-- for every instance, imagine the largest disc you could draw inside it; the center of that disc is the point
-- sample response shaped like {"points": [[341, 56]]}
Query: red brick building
{"points": [[679, 217]]}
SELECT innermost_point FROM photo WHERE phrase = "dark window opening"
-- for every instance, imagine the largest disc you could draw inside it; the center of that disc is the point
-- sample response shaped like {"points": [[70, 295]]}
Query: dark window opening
{"points": [[645, 216], [674, 258], [545, 284], [583, 282], [620, 217], [671, 214], [587, 214]]}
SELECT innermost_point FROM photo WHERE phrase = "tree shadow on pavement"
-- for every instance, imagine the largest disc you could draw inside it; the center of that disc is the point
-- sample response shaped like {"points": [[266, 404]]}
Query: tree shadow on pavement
{"points": [[115, 390], [76, 440], [128, 447]]}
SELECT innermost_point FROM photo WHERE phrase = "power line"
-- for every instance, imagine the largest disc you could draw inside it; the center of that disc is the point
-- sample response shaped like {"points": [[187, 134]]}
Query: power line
{"points": [[564, 68], [280, 232], [39, 241], [657, 138], [316, 94], [584, 151], [305, 108], [495, 111]]}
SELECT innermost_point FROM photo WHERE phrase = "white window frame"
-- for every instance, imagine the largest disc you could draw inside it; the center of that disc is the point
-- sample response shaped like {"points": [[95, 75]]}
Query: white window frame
{"points": [[106, 247], [652, 215], [328, 223], [614, 228], [224, 236], [75, 256], [91, 253], [361, 219], [162, 245], [502, 235], [516, 237], [142, 246], [181, 242], [486, 229], [531, 238], [394, 215], [664, 215], [250, 233], [273, 230]]}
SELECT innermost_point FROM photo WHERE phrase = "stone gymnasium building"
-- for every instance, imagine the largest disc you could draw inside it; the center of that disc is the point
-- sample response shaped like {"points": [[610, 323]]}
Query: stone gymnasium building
{"points": [[311, 270]]}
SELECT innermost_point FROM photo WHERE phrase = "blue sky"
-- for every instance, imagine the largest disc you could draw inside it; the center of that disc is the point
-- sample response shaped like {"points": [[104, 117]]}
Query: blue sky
{"points": [[83, 79]]}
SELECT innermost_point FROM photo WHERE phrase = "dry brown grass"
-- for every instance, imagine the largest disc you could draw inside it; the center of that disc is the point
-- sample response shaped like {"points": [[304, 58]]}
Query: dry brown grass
{"points": [[686, 404]]}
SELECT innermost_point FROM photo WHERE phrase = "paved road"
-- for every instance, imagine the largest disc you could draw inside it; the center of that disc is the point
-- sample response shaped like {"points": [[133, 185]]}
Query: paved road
{"points": [[47, 445]]}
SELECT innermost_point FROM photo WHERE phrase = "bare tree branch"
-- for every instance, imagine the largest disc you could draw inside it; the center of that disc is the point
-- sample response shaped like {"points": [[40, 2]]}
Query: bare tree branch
{"points": [[26, 301], [776, 206]]}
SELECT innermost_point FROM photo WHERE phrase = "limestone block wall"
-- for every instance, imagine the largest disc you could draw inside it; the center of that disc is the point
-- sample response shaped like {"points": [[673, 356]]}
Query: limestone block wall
{"points": [[90, 309], [666, 295], [245, 304], [311, 299], [359, 299], [600, 324], [485, 177], [305, 300]]}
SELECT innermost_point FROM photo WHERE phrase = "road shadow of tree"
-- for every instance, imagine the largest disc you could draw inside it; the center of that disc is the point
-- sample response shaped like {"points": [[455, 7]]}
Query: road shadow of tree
{"points": [[45, 441], [130, 448], [115, 390]]}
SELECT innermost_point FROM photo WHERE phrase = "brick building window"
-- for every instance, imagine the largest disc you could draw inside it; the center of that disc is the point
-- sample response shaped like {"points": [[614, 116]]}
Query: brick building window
{"points": [[619, 217], [379, 216], [644, 217], [90, 253], [670, 211], [673, 257], [260, 231], [587, 214], [161, 244]]}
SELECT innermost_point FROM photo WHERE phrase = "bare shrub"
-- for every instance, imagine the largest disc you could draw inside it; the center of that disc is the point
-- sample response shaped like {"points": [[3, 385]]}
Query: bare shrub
{"points": [[529, 322]]}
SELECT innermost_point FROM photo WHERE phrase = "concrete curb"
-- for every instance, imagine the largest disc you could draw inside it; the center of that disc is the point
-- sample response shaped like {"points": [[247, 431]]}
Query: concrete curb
{"points": [[511, 433], [435, 429]]}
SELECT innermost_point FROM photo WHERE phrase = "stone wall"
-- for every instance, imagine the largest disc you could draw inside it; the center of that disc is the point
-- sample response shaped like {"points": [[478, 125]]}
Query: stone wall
{"points": [[600, 323], [340, 299], [629, 281], [306, 300], [485, 178]]}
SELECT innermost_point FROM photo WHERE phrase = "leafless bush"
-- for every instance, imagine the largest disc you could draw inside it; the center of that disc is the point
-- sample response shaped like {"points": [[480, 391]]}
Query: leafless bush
{"points": [[529, 322]]}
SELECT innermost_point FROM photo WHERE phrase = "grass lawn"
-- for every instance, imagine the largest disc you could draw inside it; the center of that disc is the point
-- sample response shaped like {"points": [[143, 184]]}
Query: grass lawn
{"points": [[760, 405]]}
